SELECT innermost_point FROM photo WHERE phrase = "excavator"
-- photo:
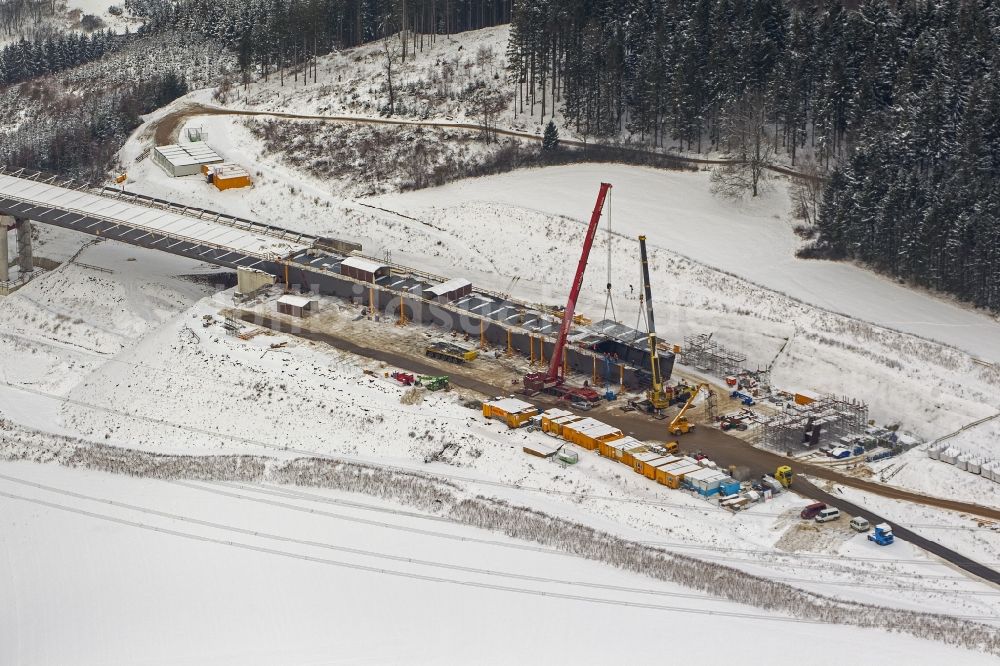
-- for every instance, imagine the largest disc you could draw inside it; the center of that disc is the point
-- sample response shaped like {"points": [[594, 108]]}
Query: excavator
{"points": [[552, 381], [658, 396], [680, 425]]}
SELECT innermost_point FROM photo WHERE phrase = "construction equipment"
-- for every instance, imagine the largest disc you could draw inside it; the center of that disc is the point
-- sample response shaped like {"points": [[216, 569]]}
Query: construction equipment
{"points": [[552, 381], [680, 425], [784, 475], [744, 398], [658, 395], [882, 535], [404, 378], [446, 351], [732, 423], [435, 383]]}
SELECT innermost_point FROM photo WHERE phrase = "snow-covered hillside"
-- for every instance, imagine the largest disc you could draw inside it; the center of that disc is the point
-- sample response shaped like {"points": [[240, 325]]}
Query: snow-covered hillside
{"points": [[233, 543], [704, 250]]}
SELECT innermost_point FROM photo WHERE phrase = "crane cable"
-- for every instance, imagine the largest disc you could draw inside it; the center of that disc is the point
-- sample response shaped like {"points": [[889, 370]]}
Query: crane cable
{"points": [[609, 300]]}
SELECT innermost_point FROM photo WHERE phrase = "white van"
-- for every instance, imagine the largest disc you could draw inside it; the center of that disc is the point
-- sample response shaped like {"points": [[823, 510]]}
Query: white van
{"points": [[828, 514], [859, 524]]}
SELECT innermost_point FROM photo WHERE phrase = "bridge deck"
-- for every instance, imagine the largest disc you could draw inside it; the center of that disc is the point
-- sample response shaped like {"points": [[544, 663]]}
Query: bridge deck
{"points": [[73, 204]]}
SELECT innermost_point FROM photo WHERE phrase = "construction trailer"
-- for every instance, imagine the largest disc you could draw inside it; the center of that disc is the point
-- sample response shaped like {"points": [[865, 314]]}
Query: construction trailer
{"points": [[629, 454], [549, 415], [296, 306], [648, 467], [639, 460], [515, 413], [615, 449], [185, 159], [557, 424], [226, 176], [705, 482], [589, 433], [673, 475]]}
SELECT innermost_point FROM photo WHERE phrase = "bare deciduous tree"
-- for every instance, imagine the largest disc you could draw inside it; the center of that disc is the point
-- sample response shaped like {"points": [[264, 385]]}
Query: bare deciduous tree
{"points": [[488, 104], [745, 137], [391, 55], [807, 193]]}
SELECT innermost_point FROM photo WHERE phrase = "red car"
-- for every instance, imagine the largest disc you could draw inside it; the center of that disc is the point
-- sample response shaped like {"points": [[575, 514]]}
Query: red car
{"points": [[812, 510]]}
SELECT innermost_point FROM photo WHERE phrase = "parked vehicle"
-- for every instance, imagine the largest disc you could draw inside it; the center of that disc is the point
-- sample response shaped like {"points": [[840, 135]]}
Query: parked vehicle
{"points": [[882, 535], [784, 475], [828, 514], [860, 524], [812, 510]]}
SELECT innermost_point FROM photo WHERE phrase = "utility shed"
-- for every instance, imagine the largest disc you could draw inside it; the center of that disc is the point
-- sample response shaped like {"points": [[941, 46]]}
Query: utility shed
{"points": [[184, 159], [363, 269], [511, 411], [452, 290], [227, 176], [296, 306]]}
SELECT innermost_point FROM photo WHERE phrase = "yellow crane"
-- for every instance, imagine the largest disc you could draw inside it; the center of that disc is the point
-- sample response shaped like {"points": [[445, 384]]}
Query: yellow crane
{"points": [[680, 425], [657, 393]]}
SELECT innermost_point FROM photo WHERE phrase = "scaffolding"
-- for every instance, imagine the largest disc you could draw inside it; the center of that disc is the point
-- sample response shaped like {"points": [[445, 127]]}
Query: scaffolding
{"points": [[706, 355], [829, 421]]}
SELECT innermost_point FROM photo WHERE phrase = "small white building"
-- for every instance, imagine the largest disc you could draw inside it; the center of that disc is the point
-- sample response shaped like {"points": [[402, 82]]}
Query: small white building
{"points": [[296, 306], [185, 159]]}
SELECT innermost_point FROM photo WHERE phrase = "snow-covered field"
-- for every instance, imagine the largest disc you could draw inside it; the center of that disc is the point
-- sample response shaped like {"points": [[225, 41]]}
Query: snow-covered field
{"points": [[93, 587]]}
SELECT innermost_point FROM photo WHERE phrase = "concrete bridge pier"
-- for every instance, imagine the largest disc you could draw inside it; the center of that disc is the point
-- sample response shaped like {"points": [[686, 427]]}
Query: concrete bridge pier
{"points": [[5, 224], [25, 256]]}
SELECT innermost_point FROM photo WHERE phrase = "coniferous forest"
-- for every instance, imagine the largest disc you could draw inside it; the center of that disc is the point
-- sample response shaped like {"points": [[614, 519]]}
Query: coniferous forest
{"points": [[895, 107], [899, 105]]}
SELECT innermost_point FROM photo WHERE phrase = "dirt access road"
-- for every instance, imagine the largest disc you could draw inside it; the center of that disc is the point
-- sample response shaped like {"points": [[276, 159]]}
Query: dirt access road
{"points": [[720, 446], [166, 131]]}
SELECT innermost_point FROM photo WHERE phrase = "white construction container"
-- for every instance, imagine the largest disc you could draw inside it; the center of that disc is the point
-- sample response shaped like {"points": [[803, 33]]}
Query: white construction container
{"points": [[961, 462], [934, 451], [974, 466], [949, 456]]}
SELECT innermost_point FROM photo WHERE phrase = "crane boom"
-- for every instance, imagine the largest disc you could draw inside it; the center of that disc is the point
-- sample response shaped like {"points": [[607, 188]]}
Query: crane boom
{"points": [[656, 393], [555, 367], [554, 376]]}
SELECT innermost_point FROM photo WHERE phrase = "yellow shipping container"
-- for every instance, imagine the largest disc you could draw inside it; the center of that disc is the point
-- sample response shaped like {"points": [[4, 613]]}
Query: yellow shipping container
{"points": [[589, 433], [511, 411], [615, 448], [628, 455], [550, 415], [673, 475]]}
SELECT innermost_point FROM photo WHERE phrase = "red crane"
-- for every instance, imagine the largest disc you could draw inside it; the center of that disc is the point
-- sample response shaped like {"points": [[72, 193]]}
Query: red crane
{"points": [[552, 380]]}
